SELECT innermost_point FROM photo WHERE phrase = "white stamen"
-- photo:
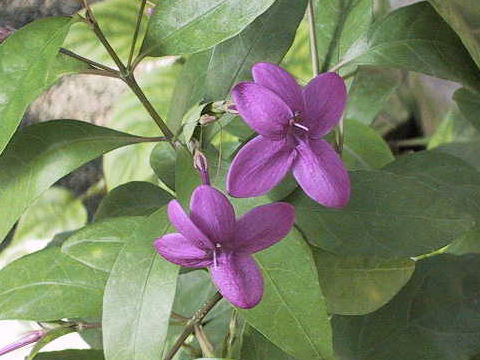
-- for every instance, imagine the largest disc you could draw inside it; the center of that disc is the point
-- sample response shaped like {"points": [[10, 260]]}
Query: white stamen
{"points": [[217, 246], [300, 126]]}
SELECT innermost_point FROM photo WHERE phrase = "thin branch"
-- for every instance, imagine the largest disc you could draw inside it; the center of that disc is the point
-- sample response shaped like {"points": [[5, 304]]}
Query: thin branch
{"points": [[313, 39], [190, 326], [205, 344], [135, 34], [92, 63]]}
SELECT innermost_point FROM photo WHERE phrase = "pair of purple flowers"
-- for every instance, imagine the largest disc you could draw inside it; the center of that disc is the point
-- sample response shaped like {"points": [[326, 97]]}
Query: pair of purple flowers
{"points": [[290, 122]]}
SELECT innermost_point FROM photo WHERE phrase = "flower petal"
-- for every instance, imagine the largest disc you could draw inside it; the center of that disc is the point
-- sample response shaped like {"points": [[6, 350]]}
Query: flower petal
{"points": [[211, 211], [263, 226], [325, 98], [258, 167], [179, 250], [281, 82], [238, 279], [321, 174], [182, 222], [262, 109]]}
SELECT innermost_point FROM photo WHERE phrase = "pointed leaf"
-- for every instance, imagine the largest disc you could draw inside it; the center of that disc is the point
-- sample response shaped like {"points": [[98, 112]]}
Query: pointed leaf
{"points": [[185, 27], [139, 295], [41, 154], [29, 67]]}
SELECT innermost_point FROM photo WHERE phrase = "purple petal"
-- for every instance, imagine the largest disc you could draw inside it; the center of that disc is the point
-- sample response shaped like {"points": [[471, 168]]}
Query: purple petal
{"points": [[258, 167], [325, 98], [262, 109], [281, 82], [263, 226], [179, 250], [321, 174], [238, 279], [182, 222], [211, 211]]}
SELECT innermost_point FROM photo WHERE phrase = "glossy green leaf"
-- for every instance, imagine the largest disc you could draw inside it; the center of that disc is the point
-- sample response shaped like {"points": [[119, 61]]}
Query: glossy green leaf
{"points": [[469, 104], [29, 67], [41, 154], [268, 38], [357, 286], [298, 60], [51, 335], [117, 19], [71, 355], [370, 91], [56, 211], [363, 148], [339, 24], [211, 74], [98, 245], [416, 38], [49, 285], [256, 347], [185, 27], [132, 163], [434, 317], [293, 312], [136, 198], [389, 215], [139, 295], [464, 17], [162, 161]]}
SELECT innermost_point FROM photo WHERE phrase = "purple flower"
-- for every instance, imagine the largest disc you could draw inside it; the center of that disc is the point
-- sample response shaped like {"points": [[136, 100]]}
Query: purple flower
{"points": [[291, 122], [27, 339], [211, 237]]}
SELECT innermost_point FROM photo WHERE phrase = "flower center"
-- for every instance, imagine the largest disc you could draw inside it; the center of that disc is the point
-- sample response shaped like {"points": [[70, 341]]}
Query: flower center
{"points": [[297, 130], [216, 251]]}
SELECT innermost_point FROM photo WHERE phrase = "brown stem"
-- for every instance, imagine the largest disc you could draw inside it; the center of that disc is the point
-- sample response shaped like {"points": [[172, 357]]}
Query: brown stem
{"points": [[190, 326]]}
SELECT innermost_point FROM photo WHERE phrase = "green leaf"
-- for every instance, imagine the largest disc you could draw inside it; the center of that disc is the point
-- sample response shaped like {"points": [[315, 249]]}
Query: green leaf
{"points": [[434, 317], [162, 161], [298, 60], [28, 68], [453, 128], [43, 153], [51, 335], [449, 175], [268, 38], [117, 19], [292, 313], [71, 355], [357, 286], [469, 104], [416, 38], [49, 285], [363, 148], [210, 75], [464, 17], [132, 163], [339, 24], [256, 347], [185, 27], [389, 215], [97, 245], [370, 91], [56, 211], [467, 151], [139, 295], [135, 198]]}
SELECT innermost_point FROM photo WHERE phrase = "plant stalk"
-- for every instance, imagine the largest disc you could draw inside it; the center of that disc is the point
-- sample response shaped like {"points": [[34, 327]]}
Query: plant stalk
{"points": [[313, 39], [194, 320], [135, 34]]}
